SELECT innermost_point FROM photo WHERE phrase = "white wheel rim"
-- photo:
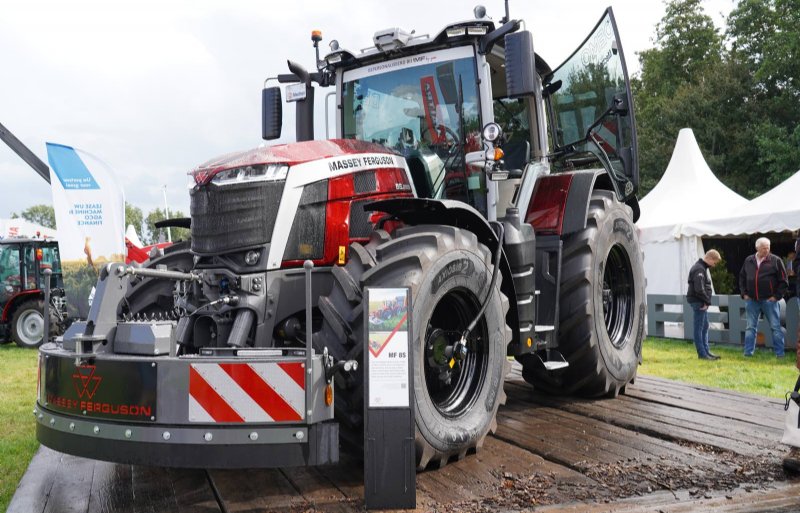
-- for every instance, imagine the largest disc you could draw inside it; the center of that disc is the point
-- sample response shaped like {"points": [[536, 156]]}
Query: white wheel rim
{"points": [[30, 327]]}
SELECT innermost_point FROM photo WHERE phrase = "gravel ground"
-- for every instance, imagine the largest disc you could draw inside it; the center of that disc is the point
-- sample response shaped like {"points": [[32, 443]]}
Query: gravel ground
{"points": [[631, 478]]}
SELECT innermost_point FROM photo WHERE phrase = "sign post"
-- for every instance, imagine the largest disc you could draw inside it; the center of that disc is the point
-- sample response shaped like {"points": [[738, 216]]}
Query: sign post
{"points": [[389, 459]]}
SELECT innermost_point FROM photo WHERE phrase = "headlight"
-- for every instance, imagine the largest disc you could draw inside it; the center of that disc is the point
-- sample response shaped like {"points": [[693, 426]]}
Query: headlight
{"points": [[251, 258], [254, 173], [492, 132], [262, 173]]}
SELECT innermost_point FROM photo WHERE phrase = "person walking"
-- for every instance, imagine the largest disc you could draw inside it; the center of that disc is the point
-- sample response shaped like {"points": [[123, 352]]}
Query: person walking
{"points": [[762, 283], [699, 298]]}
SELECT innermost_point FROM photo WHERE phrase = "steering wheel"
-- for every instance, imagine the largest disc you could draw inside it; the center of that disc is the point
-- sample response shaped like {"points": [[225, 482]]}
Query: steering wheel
{"points": [[450, 139]]}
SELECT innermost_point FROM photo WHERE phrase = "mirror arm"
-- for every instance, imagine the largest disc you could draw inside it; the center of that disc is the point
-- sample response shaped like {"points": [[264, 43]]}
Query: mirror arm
{"points": [[488, 41], [613, 109]]}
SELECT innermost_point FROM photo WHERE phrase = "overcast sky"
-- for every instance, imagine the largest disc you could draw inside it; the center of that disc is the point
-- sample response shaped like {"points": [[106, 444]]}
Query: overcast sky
{"points": [[155, 88]]}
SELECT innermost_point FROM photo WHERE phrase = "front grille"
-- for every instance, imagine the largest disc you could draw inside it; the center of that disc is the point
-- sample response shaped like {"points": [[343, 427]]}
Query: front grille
{"points": [[233, 216]]}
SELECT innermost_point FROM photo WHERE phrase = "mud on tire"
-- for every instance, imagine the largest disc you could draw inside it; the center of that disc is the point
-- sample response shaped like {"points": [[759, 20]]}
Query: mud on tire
{"points": [[448, 272], [601, 307]]}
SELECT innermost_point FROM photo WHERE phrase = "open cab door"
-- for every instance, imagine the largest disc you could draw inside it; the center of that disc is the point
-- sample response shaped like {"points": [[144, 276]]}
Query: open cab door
{"points": [[590, 110]]}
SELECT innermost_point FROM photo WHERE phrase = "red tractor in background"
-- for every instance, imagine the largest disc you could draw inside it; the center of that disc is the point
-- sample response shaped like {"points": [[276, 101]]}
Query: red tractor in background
{"points": [[22, 265]]}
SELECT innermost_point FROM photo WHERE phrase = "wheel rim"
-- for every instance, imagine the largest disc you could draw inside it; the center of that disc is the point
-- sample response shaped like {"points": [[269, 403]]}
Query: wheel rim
{"points": [[453, 390], [30, 327], [618, 296]]}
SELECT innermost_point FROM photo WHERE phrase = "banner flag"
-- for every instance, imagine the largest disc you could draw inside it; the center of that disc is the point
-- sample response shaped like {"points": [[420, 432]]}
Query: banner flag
{"points": [[90, 219]]}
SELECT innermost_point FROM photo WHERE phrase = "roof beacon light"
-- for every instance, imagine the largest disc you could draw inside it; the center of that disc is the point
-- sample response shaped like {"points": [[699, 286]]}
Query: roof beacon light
{"points": [[316, 36]]}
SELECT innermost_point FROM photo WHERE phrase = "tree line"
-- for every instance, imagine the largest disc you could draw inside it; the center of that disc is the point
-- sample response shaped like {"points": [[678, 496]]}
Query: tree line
{"points": [[739, 90], [44, 215]]}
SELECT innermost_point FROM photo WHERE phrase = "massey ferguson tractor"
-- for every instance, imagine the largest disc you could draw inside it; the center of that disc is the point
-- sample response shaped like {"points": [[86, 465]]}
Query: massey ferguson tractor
{"points": [[498, 191]]}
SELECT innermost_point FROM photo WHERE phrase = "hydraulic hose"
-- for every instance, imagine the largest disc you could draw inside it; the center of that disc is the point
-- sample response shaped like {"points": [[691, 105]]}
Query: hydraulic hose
{"points": [[500, 232]]}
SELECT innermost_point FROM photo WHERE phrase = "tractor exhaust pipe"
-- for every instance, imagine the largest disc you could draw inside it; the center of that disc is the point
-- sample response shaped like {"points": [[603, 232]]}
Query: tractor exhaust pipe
{"points": [[304, 114]]}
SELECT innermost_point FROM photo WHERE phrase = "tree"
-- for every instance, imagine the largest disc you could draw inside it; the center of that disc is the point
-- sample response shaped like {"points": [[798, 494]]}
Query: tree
{"points": [[135, 217], [679, 86], [764, 37], [686, 43], [155, 235], [742, 98], [43, 215]]}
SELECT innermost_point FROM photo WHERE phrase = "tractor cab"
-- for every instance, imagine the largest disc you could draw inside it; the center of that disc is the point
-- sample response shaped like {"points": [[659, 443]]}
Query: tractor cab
{"points": [[473, 108], [22, 265]]}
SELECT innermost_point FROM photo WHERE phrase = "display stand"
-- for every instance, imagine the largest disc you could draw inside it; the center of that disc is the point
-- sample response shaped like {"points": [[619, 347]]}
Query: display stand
{"points": [[389, 459]]}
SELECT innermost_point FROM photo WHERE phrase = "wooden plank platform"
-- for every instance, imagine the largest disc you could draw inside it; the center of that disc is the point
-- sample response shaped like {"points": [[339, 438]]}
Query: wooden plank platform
{"points": [[663, 446]]}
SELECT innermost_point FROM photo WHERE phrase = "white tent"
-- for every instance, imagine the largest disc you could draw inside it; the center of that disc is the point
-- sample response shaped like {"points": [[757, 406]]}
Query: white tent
{"points": [[687, 192], [777, 210], [22, 228]]}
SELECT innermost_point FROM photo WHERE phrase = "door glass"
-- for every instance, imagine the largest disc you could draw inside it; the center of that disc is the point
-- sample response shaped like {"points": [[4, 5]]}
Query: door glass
{"points": [[50, 260], [583, 88], [10, 282], [29, 269]]}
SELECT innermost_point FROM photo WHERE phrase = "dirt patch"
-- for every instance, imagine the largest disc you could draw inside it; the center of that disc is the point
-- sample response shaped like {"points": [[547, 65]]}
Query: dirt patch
{"points": [[630, 478]]}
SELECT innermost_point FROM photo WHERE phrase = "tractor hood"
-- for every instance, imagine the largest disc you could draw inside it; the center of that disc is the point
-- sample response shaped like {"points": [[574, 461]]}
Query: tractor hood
{"points": [[287, 154]]}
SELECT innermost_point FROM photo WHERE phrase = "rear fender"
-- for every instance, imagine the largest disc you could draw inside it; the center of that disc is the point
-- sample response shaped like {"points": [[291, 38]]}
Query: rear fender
{"points": [[16, 300], [560, 202], [417, 211]]}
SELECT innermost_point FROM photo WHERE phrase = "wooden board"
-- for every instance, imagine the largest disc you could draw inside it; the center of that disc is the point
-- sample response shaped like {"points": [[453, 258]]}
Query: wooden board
{"points": [[663, 446]]}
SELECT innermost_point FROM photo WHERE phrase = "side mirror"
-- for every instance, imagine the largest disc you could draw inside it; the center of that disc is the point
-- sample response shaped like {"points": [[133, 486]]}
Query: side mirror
{"points": [[520, 65], [271, 113], [619, 105]]}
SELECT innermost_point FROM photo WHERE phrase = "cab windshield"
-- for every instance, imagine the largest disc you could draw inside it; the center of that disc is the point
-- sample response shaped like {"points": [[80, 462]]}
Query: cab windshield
{"points": [[425, 107]]}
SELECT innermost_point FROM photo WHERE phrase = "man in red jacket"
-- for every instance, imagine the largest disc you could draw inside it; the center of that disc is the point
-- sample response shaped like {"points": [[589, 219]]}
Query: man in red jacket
{"points": [[762, 283]]}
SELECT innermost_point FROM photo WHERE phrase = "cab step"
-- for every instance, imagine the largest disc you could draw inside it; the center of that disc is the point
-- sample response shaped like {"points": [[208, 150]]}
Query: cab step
{"points": [[552, 360]]}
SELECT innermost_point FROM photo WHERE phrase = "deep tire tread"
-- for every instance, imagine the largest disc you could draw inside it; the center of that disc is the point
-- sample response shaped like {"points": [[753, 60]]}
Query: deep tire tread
{"points": [[587, 374], [400, 258]]}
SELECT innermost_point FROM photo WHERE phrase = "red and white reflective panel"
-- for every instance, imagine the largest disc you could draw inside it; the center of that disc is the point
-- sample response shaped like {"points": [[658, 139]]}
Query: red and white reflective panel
{"points": [[246, 392]]}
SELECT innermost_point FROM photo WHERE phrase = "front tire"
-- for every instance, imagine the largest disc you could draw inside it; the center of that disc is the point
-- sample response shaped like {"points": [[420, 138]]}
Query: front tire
{"points": [[448, 273], [601, 305], [27, 324], [149, 296]]}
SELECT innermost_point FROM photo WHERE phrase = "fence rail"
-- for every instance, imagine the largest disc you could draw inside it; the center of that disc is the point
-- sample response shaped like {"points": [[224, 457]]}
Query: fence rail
{"points": [[664, 308]]}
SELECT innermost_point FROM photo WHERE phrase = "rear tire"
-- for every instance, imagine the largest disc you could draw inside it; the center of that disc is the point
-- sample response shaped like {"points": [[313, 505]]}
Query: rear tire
{"points": [[601, 307], [27, 324], [448, 273]]}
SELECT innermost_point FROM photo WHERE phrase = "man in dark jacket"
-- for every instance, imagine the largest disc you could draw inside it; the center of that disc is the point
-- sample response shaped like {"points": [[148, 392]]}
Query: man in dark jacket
{"points": [[796, 267], [762, 283], [699, 298]]}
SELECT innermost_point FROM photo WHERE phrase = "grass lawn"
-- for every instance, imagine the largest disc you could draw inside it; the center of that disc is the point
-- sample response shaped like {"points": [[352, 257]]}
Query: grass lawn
{"points": [[761, 374], [17, 397]]}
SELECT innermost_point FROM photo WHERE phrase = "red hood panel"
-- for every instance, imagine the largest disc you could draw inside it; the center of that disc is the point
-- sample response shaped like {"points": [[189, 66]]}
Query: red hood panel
{"points": [[291, 154]]}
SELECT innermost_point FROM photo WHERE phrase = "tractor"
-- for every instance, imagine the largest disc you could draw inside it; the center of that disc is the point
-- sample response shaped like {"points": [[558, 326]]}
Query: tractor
{"points": [[22, 265], [499, 191]]}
